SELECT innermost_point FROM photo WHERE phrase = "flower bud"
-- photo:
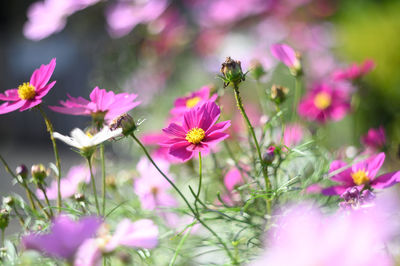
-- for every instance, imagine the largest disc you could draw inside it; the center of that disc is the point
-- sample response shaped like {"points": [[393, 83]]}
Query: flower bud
{"points": [[125, 122], [124, 257], [8, 201], [269, 155], [39, 173], [279, 93], [231, 71], [79, 197], [111, 182], [22, 171], [4, 218], [257, 69]]}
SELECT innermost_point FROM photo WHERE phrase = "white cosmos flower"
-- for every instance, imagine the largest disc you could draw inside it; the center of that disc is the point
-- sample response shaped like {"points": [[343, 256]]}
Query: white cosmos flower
{"points": [[82, 141]]}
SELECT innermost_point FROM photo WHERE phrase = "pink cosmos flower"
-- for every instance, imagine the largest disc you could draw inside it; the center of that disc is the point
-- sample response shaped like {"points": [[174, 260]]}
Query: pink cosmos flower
{"points": [[64, 238], [107, 105], [362, 174], [232, 179], [375, 139], [344, 238], [354, 71], [286, 55], [29, 94], [292, 135], [198, 133], [197, 98], [69, 184], [161, 151], [324, 102], [140, 234], [124, 15]]}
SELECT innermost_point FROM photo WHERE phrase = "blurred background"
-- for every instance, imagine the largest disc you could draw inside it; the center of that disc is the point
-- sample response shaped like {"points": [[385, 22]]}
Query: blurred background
{"points": [[162, 49]]}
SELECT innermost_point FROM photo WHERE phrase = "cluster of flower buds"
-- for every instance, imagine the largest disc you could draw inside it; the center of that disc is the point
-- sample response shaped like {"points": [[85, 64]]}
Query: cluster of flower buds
{"points": [[354, 199], [279, 93], [232, 73]]}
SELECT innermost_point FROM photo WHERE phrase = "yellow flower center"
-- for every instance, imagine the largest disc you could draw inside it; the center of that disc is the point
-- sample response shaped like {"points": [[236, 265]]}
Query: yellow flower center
{"points": [[195, 135], [360, 177], [103, 236], [322, 100], [26, 91], [192, 102]]}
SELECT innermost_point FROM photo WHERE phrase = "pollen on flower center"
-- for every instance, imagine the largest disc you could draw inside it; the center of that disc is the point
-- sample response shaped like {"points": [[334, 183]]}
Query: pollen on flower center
{"points": [[26, 91], [195, 135], [192, 102], [322, 100], [360, 177]]}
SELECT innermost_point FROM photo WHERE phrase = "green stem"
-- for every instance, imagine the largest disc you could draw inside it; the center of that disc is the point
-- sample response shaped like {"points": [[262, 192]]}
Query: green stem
{"points": [[21, 220], [49, 126], [180, 244], [46, 199], [200, 179], [297, 93], [2, 237], [93, 185], [253, 134], [103, 177], [195, 214]]}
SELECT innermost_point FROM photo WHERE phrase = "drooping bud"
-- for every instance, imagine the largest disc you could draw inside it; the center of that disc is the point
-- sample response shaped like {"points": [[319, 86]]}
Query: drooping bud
{"points": [[125, 122], [4, 218], [279, 93], [79, 197], [39, 173], [257, 69], [22, 171], [269, 155], [231, 71]]}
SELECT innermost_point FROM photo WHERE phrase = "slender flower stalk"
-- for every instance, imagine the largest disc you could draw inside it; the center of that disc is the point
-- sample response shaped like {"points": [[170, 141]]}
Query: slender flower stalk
{"points": [[297, 93], [46, 199], [103, 177], [89, 160], [50, 129], [200, 180], [195, 214]]}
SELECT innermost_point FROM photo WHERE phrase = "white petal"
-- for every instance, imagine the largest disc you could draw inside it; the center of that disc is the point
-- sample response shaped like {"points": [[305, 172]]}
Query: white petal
{"points": [[68, 140]]}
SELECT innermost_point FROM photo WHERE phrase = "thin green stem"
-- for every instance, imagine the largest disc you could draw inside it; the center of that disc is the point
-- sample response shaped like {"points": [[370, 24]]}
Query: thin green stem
{"points": [[180, 244], [89, 159], [2, 237], [297, 93], [253, 134], [103, 177], [200, 180], [46, 199], [195, 214], [21, 220], [50, 129]]}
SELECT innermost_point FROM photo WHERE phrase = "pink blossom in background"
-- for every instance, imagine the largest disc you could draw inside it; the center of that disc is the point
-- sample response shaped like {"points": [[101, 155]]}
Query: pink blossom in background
{"points": [[101, 102], [64, 238], [29, 94], [140, 234], [124, 16], [286, 55], [324, 102], [197, 98], [161, 152], [198, 133], [292, 135], [232, 179], [375, 139], [313, 189], [69, 184], [361, 174], [354, 71], [346, 239]]}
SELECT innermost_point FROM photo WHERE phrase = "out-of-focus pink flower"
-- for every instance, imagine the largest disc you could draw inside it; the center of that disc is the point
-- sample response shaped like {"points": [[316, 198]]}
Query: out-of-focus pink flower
{"points": [[140, 234], [344, 238], [292, 135], [198, 133], [286, 55], [324, 102], [314, 189], [65, 237], [375, 139], [196, 98], [126, 15], [50, 16], [107, 105], [69, 184], [354, 71], [232, 179], [361, 174], [154, 139], [29, 94]]}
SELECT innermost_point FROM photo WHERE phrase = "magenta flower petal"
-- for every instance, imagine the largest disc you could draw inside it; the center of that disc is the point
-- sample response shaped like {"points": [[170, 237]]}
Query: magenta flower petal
{"points": [[43, 91], [370, 165], [216, 137], [9, 95], [197, 98], [232, 179], [334, 190], [375, 139], [344, 176], [30, 104], [9, 107], [386, 180], [175, 130], [285, 54], [219, 127], [180, 151], [41, 76]]}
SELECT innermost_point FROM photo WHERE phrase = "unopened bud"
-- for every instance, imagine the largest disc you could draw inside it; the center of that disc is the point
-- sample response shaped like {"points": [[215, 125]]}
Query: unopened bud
{"points": [[8, 201], [79, 197], [39, 173], [257, 69], [111, 182], [279, 93], [125, 122], [269, 155], [125, 258], [232, 72], [22, 171], [4, 218]]}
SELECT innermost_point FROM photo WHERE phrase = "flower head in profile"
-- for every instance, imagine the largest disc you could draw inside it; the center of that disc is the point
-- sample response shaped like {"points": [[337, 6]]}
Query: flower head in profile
{"points": [[64, 238], [69, 184], [197, 98], [29, 94], [325, 102], [375, 139], [86, 143], [198, 133], [140, 234], [362, 175], [354, 71], [288, 56], [102, 105]]}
